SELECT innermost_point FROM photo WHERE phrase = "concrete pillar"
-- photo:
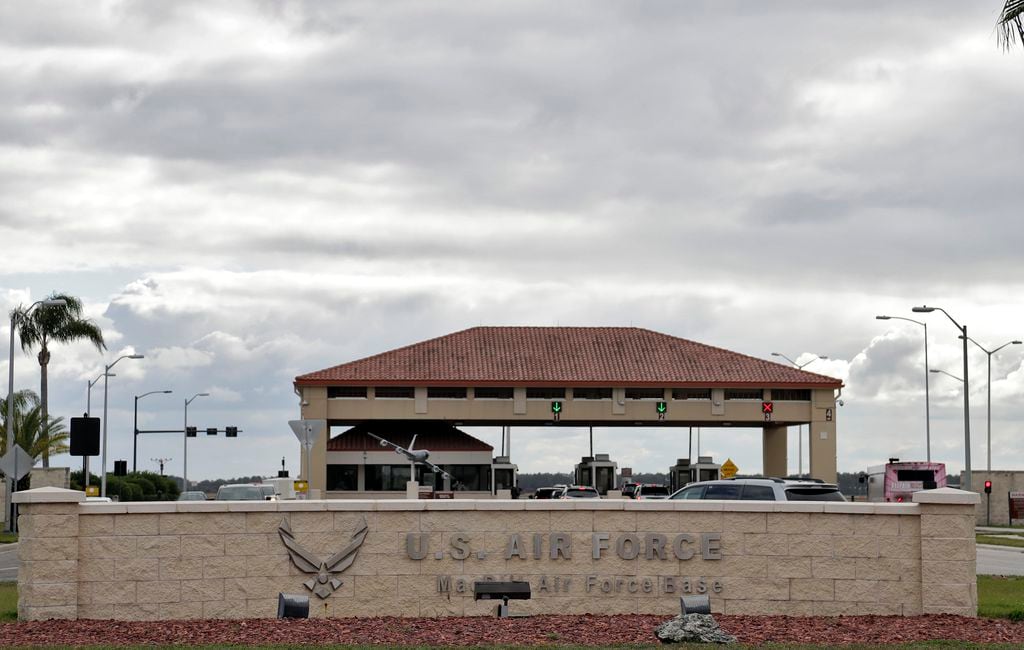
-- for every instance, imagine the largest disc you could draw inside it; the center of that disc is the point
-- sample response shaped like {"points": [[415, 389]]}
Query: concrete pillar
{"points": [[314, 407], [822, 452], [773, 451], [948, 552], [48, 548]]}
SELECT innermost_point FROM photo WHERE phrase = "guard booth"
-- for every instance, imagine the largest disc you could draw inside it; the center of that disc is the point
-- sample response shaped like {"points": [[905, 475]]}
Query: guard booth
{"points": [[600, 467], [682, 473], [505, 475]]}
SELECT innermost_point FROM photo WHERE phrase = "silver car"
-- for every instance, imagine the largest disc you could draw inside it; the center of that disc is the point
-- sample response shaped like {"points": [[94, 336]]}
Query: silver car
{"points": [[761, 489], [239, 492]]}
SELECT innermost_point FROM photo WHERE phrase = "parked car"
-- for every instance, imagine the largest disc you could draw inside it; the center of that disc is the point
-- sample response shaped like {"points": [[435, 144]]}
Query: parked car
{"points": [[269, 491], [545, 493], [192, 495], [579, 492], [629, 490], [651, 491], [239, 492], [761, 489]]}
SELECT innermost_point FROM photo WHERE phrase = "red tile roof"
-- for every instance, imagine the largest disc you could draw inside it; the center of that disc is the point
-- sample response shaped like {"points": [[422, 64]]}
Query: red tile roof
{"points": [[563, 356], [430, 435]]}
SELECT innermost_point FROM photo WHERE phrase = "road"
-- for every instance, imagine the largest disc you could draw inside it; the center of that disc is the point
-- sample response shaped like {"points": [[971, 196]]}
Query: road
{"points": [[1000, 560], [8, 562]]}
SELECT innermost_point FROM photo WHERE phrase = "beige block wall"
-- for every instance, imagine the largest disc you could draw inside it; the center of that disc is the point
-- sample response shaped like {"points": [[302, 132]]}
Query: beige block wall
{"points": [[1003, 482], [227, 560]]}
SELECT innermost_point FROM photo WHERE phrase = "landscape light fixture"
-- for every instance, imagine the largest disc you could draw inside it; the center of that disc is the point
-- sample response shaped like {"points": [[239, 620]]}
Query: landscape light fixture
{"points": [[927, 401], [989, 353], [106, 376], [924, 309]]}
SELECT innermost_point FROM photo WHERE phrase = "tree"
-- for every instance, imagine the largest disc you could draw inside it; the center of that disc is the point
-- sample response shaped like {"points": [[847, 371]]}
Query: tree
{"points": [[1009, 25], [30, 434], [54, 324]]}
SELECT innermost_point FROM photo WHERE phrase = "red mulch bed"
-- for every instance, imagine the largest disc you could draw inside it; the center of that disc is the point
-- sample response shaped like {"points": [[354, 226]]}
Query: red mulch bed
{"points": [[537, 630]]}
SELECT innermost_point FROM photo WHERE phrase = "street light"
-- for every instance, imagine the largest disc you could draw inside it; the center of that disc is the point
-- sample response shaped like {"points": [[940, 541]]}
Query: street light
{"points": [[927, 413], [988, 460], [184, 473], [88, 393], [800, 427], [106, 374], [135, 440], [948, 374], [9, 520], [924, 309]]}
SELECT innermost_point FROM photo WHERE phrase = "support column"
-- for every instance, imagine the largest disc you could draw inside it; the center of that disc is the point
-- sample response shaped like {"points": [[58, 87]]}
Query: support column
{"points": [[48, 548], [822, 449], [948, 552], [773, 451], [314, 407]]}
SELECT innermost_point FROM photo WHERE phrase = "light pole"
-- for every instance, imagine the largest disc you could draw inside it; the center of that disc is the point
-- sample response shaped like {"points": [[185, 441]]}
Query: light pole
{"points": [[135, 427], [88, 413], [927, 413], [988, 460], [106, 374], [924, 309], [184, 473], [11, 484], [800, 427]]}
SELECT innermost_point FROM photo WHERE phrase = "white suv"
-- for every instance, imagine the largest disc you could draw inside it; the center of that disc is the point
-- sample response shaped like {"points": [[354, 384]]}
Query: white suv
{"points": [[761, 489]]}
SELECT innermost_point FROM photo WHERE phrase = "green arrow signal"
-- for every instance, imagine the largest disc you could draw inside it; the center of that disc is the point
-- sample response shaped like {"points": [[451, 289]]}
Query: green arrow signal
{"points": [[556, 407], [662, 407]]}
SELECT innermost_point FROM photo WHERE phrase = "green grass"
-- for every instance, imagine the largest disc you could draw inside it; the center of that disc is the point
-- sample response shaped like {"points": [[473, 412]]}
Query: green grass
{"points": [[999, 541], [8, 601], [8, 538], [1001, 597]]}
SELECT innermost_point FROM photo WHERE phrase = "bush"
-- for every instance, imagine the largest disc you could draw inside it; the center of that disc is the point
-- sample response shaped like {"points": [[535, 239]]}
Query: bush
{"points": [[137, 486]]}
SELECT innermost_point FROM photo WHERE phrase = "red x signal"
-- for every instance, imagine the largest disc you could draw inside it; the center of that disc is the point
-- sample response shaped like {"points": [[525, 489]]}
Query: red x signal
{"points": [[767, 407]]}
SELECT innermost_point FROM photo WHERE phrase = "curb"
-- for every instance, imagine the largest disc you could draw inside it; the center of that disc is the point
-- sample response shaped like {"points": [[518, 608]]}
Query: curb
{"points": [[998, 547]]}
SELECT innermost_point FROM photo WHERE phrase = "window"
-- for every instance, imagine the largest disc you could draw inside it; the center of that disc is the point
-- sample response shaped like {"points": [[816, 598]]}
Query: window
{"points": [[387, 477], [690, 493], [744, 393], [445, 392], [722, 491], [489, 392], [394, 392], [814, 494], [645, 393], [342, 477], [353, 392], [539, 392], [791, 395], [474, 478], [758, 493], [591, 393], [691, 393]]}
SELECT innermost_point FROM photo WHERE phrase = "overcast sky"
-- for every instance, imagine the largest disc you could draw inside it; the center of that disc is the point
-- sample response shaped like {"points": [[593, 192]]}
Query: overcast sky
{"points": [[247, 191]]}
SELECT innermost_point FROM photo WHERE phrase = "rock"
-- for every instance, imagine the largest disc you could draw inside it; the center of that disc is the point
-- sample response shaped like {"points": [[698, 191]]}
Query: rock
{"points": [[693, 628]]}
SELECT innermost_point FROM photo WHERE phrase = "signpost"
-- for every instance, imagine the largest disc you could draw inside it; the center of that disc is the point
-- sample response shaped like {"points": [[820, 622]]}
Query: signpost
{"points": [[15, 464], [728, 469], [1016, 506], [307, 431]]}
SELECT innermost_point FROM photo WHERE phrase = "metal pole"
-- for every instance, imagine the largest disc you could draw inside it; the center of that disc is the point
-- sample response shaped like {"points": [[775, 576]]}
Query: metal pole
{"points": [[184, 477], [103, 469], [8, 504], [967, 421], [800, 449], [988, 462], [927, 413], [135, 438]]}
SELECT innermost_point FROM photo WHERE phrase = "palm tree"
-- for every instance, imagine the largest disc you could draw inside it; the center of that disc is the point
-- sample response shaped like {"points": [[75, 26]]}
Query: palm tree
{"points": [[1010, 25], [30, 435], [54, 324]]}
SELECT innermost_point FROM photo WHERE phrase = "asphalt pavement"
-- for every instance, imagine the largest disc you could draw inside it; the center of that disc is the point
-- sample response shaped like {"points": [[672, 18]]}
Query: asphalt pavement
{"points": [[8, 562], [1000, 560]]}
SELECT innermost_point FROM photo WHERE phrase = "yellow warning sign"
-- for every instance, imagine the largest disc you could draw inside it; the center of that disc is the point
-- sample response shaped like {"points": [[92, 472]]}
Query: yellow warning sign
{"points": [[301, 487], [728, 469], [92, 490]]}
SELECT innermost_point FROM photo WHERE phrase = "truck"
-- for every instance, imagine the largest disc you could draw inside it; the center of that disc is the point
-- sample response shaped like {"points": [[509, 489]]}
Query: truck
{"points": [[896, 482]]}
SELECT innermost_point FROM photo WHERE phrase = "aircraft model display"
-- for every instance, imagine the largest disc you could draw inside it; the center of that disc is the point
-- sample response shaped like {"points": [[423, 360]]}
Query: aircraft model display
{"points": [[416, 456]]}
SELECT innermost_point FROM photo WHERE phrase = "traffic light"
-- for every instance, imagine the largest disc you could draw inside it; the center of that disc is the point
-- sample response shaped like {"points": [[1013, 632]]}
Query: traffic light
{"points": [[190, 432], [120, 468], [556, 407], [211, 431], [988, 487], [231, 432], [661, 408]]}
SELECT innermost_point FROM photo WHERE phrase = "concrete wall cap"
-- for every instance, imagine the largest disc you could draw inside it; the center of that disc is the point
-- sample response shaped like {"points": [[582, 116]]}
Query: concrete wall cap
{"points": [[48, 495], [947, 496]]}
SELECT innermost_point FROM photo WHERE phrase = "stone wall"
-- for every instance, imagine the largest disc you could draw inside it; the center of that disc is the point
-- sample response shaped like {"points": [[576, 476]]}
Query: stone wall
{"points": [[420, 558], [994, 509]]}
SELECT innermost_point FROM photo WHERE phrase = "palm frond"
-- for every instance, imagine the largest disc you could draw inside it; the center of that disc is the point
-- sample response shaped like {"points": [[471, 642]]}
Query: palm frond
{"points": [[1009, 27]]}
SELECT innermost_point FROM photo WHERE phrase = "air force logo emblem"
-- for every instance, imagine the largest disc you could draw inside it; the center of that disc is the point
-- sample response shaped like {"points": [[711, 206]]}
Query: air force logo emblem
{"points": [[326, 571]]}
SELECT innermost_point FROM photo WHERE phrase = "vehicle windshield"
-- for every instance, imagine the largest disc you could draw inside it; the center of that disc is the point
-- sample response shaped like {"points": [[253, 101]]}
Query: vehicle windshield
{"points": [[580, 493], [268, 490], [814, 494], [654, 490], [239, 493], [192, 496]]}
